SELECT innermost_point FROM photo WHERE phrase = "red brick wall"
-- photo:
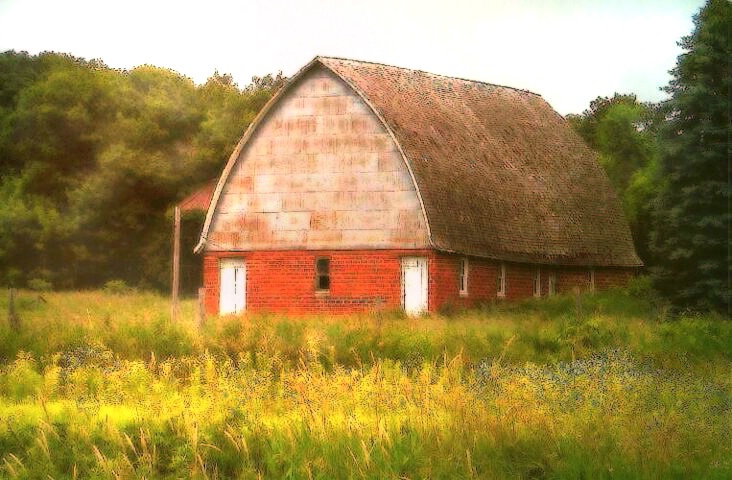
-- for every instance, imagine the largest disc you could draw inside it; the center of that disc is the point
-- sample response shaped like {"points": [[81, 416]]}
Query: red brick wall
{"points": [[520, 279], [284, 281], [444, 286], [570, 278], [613, 277]]}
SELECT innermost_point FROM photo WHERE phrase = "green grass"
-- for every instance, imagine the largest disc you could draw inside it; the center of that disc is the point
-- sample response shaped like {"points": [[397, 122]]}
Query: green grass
{"points": [[100, 385]]}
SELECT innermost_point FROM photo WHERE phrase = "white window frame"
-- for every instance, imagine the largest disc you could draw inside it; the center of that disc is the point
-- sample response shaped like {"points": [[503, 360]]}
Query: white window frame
{"points": [[501, 291], [537, 282], [591, 280], [463, 273], [552, 284]]}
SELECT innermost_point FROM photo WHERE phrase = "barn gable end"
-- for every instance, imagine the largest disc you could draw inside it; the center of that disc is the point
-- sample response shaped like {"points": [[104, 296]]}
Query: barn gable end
{"points": [[318, 171]]}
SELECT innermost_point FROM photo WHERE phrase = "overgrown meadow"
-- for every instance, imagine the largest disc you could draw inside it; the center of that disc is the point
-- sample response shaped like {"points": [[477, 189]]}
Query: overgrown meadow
{"points": [[102, 385]]}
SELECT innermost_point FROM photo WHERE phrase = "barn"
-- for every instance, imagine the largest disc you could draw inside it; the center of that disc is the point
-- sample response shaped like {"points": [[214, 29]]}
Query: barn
{"points": [[364, 186]]}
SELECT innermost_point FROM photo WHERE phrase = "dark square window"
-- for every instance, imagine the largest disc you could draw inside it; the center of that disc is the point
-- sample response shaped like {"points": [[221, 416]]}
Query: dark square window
{"points": [[322, 273]]}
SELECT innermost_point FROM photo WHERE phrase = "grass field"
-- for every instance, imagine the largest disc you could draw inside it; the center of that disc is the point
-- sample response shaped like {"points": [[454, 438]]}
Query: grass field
{"points": [[102, 385]]}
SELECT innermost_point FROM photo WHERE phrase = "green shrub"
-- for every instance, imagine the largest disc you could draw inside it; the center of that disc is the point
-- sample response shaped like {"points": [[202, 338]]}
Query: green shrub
{"points": [[40, 285], [641, 286], [117, 287], [21, 379]]}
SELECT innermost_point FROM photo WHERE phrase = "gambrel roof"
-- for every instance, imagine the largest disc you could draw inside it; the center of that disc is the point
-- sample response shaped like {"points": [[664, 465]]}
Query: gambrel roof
{"points": [[499, 173]]}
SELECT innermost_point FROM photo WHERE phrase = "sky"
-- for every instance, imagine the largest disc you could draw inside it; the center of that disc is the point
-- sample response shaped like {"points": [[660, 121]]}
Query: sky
{"points": [[568, 51]]}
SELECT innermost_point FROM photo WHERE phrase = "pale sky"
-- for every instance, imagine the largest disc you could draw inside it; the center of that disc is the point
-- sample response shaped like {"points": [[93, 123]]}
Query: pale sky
{"points": [[568, 51]]}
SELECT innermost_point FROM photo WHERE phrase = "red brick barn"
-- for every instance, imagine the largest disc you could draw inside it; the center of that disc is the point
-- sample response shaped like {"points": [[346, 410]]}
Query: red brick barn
{"points": [[365, 186]]}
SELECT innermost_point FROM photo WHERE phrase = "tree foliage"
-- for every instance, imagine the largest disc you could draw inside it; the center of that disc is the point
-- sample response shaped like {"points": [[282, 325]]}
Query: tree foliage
{"points": [[691, 238], [92, 158], [624, 133]]}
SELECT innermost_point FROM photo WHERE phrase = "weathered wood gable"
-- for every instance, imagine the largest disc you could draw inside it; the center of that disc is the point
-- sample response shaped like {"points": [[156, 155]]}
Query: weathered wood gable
{"points": [[319, 171]]}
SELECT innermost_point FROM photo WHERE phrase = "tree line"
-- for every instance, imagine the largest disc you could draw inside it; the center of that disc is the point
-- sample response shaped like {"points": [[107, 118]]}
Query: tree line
{"points": [[671, 165], [92, 159]]}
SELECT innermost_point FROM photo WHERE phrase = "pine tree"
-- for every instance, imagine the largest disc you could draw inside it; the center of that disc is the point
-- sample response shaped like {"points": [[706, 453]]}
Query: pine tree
{"points": [[691, 238]]}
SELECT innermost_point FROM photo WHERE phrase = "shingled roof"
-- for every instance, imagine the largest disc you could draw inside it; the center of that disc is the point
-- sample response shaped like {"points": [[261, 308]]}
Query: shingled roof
{"points": [[500, 174], [199, 200]]}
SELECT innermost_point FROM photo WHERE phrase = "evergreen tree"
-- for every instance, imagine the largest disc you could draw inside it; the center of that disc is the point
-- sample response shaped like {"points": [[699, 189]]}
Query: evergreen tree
{"points": [[691, 238]]}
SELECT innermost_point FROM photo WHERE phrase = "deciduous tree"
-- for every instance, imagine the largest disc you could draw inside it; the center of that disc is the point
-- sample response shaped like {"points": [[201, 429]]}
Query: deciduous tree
{"points": [[623, 132], [91, 160]]}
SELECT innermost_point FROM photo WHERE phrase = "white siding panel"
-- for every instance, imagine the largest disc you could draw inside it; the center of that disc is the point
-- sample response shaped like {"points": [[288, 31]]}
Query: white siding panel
{"points": [[320, 172]]}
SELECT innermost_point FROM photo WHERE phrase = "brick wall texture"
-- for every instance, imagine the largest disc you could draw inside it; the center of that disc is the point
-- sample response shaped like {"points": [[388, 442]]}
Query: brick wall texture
{"points": [[366, 280]]}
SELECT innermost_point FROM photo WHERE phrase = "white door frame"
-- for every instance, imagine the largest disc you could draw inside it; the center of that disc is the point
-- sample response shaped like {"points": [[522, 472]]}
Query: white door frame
{"points": [[415, 285], [232, 285]]}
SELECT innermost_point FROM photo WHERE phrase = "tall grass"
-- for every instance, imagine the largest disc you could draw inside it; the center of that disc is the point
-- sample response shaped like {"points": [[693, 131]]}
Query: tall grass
{"points": [[137, 325], [103, 386]]}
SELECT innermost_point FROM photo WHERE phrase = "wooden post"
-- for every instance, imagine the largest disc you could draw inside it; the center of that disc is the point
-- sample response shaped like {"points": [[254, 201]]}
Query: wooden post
{"points": [[13, 318], [578, 304], [176, 266], [201, 306]]}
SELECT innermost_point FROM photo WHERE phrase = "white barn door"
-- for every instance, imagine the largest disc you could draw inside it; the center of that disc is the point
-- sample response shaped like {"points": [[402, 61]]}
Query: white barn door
{"points": [[233, 291], [414, 285]]}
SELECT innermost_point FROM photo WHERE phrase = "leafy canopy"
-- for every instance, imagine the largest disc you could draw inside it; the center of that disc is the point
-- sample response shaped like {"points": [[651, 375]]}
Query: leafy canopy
{"points": [[624, 133], [92, 158]]}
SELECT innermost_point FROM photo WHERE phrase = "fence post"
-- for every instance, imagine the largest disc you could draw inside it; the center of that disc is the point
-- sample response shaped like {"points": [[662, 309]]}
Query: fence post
{"points": [[578, 304], [13, 318], [176, 266], [201, 306]]}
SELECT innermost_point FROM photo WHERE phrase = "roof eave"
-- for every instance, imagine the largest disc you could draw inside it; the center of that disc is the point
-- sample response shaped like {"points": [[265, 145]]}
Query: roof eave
{"points": [[548, 260]]}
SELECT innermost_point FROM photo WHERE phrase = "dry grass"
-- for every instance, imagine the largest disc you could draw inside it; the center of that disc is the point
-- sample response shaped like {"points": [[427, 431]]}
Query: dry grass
{"points": [[112, 390]]}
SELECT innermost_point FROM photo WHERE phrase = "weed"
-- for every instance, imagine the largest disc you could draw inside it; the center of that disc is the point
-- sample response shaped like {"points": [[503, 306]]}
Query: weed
{"points": [[100, 385]]}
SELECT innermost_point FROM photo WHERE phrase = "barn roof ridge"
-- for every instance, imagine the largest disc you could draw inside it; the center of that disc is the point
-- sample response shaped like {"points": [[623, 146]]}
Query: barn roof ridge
{"points": [[425, 72]]}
